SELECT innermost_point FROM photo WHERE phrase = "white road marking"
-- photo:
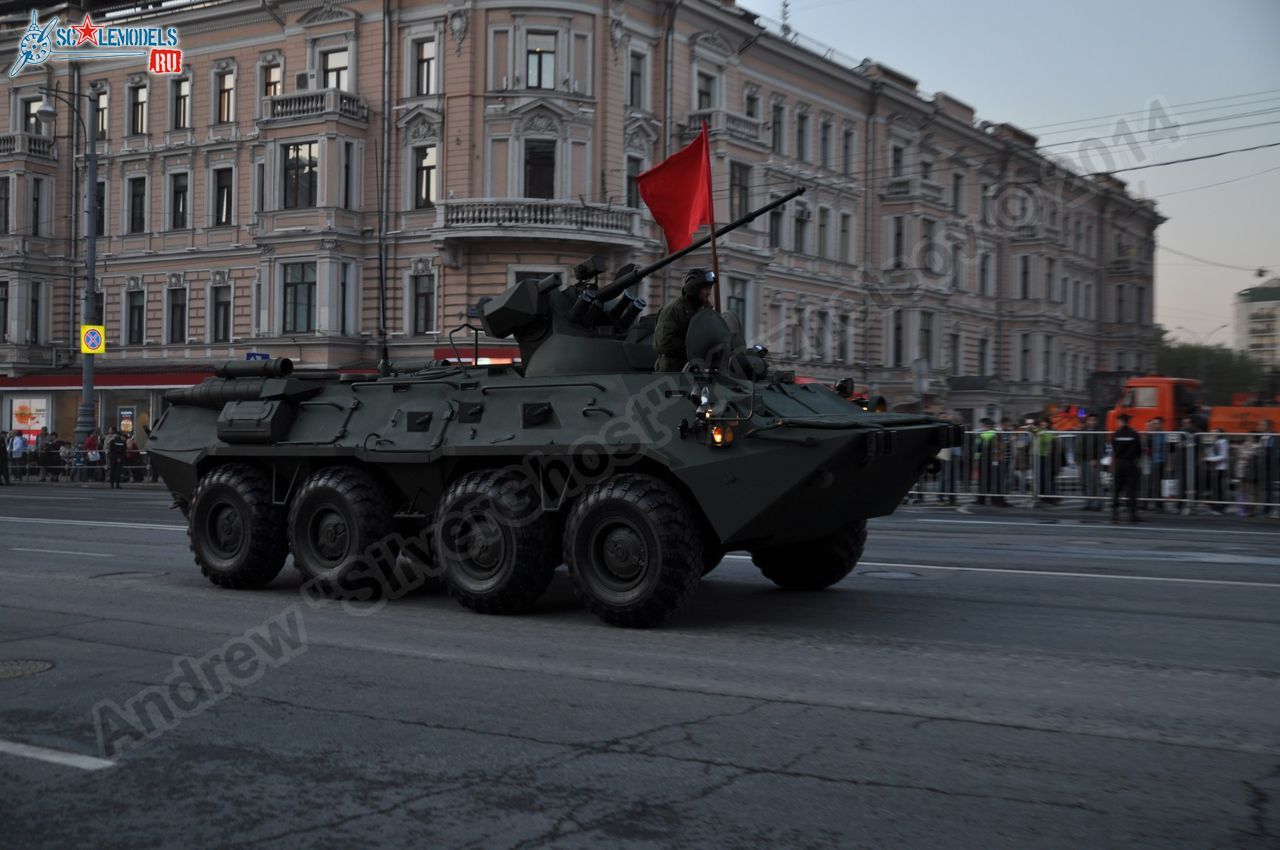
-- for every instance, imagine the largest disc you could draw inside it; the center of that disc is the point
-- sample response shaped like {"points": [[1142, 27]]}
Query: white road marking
{"points": [[1059, 574], [1067, 523], [54, 756], [27, 498], [93, 523], [65, 552]]}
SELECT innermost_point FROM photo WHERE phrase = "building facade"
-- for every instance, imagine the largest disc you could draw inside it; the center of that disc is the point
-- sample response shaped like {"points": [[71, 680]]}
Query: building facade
{"points": [[316, 172], [1257, 322]]}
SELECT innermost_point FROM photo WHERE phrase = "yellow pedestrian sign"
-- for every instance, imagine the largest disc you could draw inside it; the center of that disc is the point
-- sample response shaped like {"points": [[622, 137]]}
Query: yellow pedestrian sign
{"points": [[93, 339]]}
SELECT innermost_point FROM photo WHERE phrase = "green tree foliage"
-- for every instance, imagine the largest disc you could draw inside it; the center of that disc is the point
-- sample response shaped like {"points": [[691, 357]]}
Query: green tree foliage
{"points": [[1220, 371]]}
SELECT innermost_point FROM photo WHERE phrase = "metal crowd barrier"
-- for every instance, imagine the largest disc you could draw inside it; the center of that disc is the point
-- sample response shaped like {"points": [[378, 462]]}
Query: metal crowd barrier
{"points": [[78, 468], [1181, 472]]}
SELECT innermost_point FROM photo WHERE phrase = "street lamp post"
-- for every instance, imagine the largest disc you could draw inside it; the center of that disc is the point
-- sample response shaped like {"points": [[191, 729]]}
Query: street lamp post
{"points": [[1204, 343], [86, 420]]}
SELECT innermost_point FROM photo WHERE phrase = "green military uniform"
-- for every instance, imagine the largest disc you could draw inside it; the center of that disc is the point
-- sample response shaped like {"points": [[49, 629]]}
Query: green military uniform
{"points": [[669, 335]]}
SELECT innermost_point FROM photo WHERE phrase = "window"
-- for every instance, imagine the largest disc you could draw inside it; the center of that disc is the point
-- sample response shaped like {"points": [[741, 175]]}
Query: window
{"points": [[539, 168], [135, 316], [739, 189], [957, 194], [260, 186], [777, 127], [896, 161], [706, 95], [271, 75], [776, 216], [4, 204], [926, 336], [101, 117], [953, 347], [335, 68], [137, 204], [824, 232], [424, 304], [424, 177], [344, 288], [957, 266], [752, 105], [540, 61], [1024, 357], [899, 242], [181, 105], [34, 318], [31, 122], [984, 356], [225, 85], [137, 110], [846, 159], [822, 337], [802, 137], [220, 330], [635, 81], [37, 190], [178, 190], [984, 203], [845, 254], [299, 298], [177, 307], [800, 240], [897, 358], [1024, 277], [1120, 317], [1046, 362], [348, 174], [100, 214], [926, 170], [844, 334], [223, 196], [4, 311], [737, 300], [984, 274], [300, 174], [424, 67], [1049, 276], [824, 144], [1140, 305], [929, 232], [635, 165]]}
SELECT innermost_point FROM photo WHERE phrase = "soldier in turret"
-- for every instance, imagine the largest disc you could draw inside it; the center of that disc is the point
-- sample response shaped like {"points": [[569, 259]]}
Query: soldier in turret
{"points": [[673, 321]]}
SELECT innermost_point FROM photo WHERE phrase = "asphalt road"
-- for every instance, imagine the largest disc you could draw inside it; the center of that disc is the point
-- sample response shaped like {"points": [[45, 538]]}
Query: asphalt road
{"points": [[985, 680]]}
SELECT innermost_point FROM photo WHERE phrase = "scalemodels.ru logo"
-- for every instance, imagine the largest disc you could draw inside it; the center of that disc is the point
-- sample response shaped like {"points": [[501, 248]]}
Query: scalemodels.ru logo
{"points": [[51, 40]]}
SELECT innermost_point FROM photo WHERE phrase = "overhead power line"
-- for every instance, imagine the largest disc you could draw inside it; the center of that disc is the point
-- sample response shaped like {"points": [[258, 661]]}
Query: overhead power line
{"points": [[1144, 111], [1164, 247], [1192, 158]]}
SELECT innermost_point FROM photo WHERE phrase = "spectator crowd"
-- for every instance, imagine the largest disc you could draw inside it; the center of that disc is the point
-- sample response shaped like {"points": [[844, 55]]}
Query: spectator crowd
{"points": [[114, 458]]}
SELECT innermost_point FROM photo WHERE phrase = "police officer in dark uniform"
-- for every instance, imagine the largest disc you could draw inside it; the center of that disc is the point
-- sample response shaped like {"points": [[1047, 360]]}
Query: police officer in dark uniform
{"points": [[673, 321], [116, 447], [1126, 452]]}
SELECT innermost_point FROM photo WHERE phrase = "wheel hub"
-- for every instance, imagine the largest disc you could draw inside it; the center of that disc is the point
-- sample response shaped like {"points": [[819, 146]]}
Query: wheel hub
{"points": [[226, 529], [331, 536], [624, 554], [481, 544]]}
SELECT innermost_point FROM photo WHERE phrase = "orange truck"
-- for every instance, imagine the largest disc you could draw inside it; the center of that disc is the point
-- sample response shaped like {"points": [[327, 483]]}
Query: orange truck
{"points": [[1172, 399]]}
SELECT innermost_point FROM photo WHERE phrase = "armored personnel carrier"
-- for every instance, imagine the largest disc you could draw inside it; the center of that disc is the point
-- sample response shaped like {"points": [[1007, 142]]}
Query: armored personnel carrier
{"points": [[488, 478]]}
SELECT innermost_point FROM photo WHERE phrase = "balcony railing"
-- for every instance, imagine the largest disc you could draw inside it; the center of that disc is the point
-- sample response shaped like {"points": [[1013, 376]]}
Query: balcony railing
{"points": [[529, 212], [898, 187], [315, 104], [28, 144], [1025, 232], [720, 121]]}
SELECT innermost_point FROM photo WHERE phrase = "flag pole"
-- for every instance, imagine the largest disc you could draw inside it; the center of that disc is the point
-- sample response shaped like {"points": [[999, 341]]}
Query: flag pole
{"points": [[711, 210]]}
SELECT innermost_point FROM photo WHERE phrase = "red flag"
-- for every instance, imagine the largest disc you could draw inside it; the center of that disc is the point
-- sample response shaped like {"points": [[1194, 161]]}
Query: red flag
{"points": [[678, 192]]}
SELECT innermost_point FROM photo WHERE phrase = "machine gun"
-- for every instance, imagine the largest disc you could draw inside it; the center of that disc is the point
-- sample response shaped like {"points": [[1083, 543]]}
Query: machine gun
{"points": [[588, 328]]}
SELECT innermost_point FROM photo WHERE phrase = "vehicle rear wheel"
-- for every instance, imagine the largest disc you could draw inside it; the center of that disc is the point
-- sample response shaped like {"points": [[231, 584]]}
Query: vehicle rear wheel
{"points": [[494, 542], [634, 550], [336, 520], [236, 533], [814, 564]]}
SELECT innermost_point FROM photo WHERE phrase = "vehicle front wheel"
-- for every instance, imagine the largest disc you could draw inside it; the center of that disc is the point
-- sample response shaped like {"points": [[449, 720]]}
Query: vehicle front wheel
{"points": [[236, 533], [814, 564], [634, 549], [493, 542]]}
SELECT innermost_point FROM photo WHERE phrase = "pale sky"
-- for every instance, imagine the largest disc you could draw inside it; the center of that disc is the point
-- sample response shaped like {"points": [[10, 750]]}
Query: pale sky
{"points": [[1035, 64]]}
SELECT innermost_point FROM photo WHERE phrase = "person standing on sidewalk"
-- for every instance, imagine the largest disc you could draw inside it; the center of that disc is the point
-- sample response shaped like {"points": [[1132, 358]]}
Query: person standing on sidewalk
{"points": [[1218, 460], [1093, 445], [17, 454], [1126, 451], [1156, 453], [4, 458], [1269, 464], [117, 445]]}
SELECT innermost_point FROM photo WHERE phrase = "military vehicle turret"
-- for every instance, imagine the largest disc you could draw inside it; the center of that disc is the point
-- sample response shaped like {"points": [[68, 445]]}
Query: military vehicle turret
{"points": [[491, 477]]}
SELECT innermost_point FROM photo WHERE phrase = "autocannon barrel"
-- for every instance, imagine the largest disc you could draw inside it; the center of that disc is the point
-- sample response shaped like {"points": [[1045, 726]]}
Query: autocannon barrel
{"points": [[281, 367]]}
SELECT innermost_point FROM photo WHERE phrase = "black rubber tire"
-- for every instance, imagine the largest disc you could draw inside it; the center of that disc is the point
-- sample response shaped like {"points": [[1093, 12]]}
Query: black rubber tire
{"points": [[814, 564], [337, 519], [654, 544], [235, 532], [494, 542]]}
